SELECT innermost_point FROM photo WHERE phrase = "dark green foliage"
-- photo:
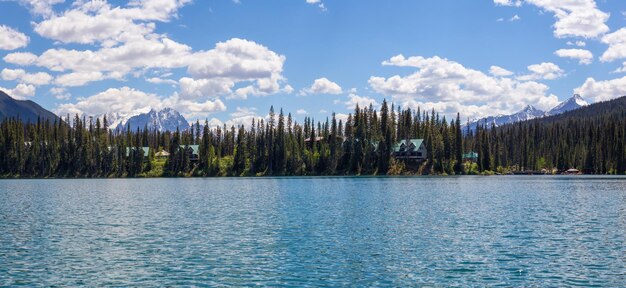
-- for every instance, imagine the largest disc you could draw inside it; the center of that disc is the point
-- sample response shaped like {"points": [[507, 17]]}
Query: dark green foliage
{"points": [[590, 139]]}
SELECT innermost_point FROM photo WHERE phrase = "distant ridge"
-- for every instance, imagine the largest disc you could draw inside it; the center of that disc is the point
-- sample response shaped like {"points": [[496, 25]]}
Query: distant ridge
{"points": [[528, 113], [25, 110]]}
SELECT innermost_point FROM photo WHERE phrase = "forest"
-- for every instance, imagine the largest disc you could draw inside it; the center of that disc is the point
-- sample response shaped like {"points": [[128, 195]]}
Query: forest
{"points": [[590, 139]]}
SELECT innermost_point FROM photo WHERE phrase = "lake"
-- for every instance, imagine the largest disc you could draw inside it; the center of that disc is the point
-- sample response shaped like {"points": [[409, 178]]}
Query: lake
{"points": [[376, 231]]}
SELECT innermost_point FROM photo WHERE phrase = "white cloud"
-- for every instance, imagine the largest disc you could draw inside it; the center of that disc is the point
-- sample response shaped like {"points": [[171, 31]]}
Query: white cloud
{"points": [[193, 110], [341, 117], [39, 78], [322, 86], [362, 101], [40, 7], [60, 93], [195, 89], [621, 69], [577, 43], [515, 18], [499, 71], [78, 78], [301, 112], [20, 58], [583, 56], [617, 46], [508, 2], [449, 87], [243, 116], [602, 90], [11, 39], [98, 22], [21, 91], [128, 101], [157, 80], [239, 61], [124, 100], [142, 53], [574, 18], [543, 71], [318, 3]]}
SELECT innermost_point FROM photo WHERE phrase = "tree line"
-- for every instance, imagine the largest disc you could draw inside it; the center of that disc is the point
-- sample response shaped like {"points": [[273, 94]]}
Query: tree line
{"points": [[280, 146]]}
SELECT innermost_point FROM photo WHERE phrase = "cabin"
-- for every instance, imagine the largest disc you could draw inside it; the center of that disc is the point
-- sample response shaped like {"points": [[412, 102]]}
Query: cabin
{"points": [[162, 155], [145, 150], [410, 149], [194, 152], [471, 156]]}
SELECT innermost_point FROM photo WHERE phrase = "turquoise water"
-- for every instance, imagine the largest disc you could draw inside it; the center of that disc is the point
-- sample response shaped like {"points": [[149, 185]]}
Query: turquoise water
{"points": [[467, 231]]}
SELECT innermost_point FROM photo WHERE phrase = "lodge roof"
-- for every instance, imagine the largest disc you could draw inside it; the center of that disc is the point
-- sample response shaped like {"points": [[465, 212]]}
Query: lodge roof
{"points": [[416, 142]]}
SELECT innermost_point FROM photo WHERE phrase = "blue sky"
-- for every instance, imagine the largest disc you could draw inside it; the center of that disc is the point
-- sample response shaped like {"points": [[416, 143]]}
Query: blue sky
{"points": [[228, 61]]}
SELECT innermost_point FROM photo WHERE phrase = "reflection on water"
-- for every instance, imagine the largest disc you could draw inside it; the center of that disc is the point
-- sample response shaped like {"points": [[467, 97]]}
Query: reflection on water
{"points": [[511, 231]]}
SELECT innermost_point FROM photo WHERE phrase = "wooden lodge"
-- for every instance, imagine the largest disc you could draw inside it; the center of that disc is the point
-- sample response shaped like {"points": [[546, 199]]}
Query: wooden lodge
{"points": [[414, 149]]}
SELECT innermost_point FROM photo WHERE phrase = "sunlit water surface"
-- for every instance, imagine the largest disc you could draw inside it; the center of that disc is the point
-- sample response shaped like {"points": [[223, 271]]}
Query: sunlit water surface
{"points": [[465, 231]]}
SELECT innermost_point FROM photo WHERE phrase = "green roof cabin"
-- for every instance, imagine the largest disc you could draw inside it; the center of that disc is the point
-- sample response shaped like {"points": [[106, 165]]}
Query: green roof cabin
{"points": [[410, 149], [145, 150], [194, 151], [471, 156]]}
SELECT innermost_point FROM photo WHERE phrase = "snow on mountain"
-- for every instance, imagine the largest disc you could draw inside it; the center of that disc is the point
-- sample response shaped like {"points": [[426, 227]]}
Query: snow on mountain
{"points": [[115, 119], [572, 103], [529, 113], [164, 120]]}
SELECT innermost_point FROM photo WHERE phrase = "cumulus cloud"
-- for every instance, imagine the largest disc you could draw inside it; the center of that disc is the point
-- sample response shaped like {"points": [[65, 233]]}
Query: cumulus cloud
{"points": [[11, 39], [20, 58], [98, 22], [243, 116], [449, 87], [157, 80], [499, 71], [40, 7], [301, 112], [574, 18], [583, 56], [21, 91], [515, 18], [322, 86], [78, 78], [602, 90], [617, 46], [125, 43], [362, 101], [123, 100], [39, 78], [129, 101], [543, 71], [239, 61], [60, 93]]}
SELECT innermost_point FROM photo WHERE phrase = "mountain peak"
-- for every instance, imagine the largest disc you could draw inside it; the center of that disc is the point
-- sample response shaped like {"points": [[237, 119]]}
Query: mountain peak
{"points": [[572, 103], [166, 119], [529, 108]]}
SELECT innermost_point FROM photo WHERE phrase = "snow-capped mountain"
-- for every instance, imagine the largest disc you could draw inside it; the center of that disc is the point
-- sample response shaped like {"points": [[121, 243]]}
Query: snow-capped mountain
{"points": [[115, 119], [528, 113], [166, 119], [572, 103]]}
